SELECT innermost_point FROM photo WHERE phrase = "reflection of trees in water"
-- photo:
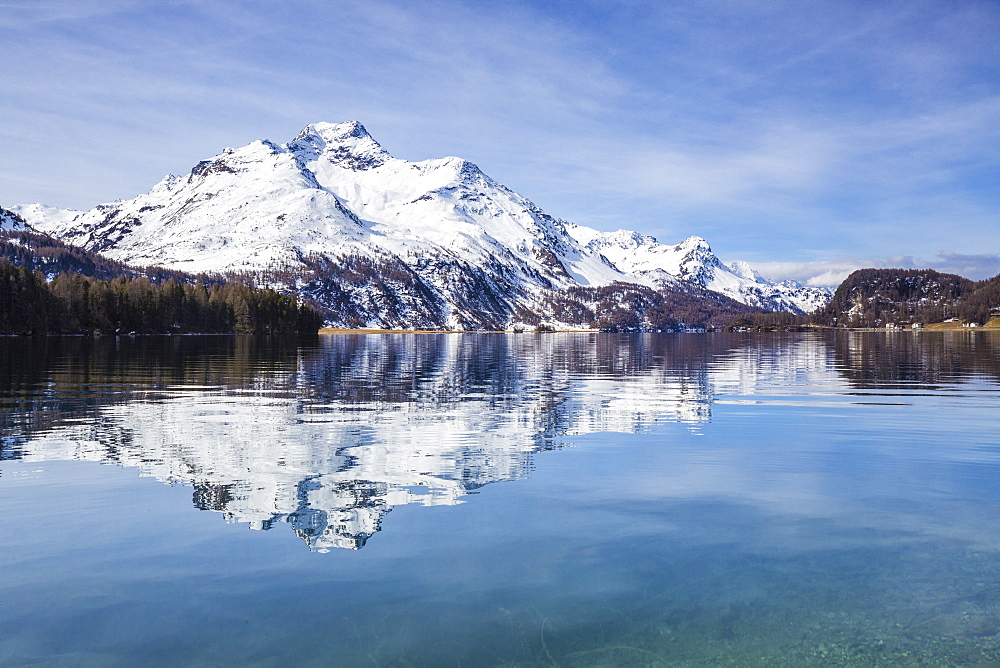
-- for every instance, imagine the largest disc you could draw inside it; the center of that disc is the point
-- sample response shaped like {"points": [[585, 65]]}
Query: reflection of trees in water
{"points": [[45, 381], [330, 435], [875, 359], [493, 368], [50, 377]]}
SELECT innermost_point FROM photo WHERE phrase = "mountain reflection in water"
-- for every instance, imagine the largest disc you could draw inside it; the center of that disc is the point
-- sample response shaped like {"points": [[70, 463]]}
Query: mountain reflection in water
{"points": [[327, 436]]}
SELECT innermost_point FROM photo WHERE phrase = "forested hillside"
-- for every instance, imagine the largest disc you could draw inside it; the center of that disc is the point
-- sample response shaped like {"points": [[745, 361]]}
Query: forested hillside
{"points": [[49, 287], [41, 252], [877, 297], [76, 304], [625, 307]]}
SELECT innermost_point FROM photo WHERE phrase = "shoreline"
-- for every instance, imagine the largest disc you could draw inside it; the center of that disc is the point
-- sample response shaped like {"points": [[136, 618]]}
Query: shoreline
{"points": [[344, 330], [934, 327]]}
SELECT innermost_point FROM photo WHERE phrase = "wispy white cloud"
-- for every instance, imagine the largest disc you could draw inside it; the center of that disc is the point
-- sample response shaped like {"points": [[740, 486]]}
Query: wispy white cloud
{"points": [[830, 273], [976, 267], [780, 131], [820, 274]]}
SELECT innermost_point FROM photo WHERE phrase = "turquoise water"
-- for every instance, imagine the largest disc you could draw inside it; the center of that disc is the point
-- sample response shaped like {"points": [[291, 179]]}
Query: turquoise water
{"points": [[527, 500]]}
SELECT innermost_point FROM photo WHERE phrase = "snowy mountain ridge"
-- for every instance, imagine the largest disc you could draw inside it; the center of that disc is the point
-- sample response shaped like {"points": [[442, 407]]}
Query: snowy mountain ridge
{"points": [[11, 222], [381, 241], [659, 265]]}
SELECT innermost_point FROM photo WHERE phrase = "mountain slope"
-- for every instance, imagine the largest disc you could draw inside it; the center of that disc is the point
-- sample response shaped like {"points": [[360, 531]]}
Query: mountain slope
{"points": [[21, 245], [47, 286], [376, 240], [12, 222]]}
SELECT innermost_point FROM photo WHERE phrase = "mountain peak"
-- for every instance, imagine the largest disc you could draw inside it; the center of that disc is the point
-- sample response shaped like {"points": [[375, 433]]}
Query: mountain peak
{"points": [[744, 270], [694, 242], [336, 132], [346, 144]]}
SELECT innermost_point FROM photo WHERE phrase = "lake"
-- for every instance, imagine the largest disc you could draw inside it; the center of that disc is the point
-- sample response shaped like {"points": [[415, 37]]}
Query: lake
{"points": [[493, 499]]}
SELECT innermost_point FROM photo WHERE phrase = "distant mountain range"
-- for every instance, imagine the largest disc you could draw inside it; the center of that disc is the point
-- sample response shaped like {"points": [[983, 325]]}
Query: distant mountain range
{"points": [[376, 241]]}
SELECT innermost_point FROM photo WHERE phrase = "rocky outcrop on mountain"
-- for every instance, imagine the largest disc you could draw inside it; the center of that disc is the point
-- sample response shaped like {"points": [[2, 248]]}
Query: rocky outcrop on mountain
{"points": [[11, 222], [381, 242]]}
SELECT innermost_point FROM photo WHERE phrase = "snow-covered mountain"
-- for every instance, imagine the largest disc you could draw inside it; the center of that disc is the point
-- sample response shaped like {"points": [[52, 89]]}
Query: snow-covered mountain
{"points": [[385, 242], [692, 260], [11, 222]]}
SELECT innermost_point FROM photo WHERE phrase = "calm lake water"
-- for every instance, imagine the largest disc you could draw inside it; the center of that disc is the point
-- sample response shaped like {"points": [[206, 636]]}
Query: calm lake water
{"points": [[528, 500]]}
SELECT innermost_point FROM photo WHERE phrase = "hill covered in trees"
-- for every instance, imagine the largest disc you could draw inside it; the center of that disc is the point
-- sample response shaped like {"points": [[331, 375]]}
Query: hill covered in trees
{"points": [[883, 297], [47, 287], [46, 254], [626, 307], [877, 297]]}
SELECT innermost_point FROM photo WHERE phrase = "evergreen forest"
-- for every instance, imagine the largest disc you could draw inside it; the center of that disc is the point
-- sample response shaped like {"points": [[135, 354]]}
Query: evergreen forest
{"points": [[72, 303]]}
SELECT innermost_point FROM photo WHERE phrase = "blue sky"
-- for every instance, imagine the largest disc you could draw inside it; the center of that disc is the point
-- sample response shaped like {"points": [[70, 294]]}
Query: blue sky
{"points": [[808, 138]]}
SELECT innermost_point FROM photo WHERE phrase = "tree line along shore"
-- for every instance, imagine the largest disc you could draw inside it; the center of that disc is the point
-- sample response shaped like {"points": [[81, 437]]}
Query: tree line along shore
{"points": [[72, 303]]}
